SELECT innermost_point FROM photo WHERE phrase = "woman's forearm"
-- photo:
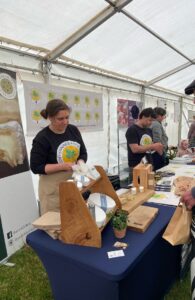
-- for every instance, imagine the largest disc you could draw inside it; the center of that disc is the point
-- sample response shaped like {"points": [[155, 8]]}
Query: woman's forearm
{"points": [[53, 168]]}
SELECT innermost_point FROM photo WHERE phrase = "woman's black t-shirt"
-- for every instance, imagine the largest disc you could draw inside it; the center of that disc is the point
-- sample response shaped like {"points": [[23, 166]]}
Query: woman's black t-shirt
{"points": [[51, 148]]}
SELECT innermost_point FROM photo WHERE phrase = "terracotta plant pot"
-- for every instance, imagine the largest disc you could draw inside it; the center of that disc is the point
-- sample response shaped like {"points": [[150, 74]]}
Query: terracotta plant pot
{"points": [[119, 234]]}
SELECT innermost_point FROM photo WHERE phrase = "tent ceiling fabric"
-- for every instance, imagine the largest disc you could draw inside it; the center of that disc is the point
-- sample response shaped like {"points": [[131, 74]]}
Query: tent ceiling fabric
{"points": [[45, 23], [178, 80], [133, 56], [119, 44]]}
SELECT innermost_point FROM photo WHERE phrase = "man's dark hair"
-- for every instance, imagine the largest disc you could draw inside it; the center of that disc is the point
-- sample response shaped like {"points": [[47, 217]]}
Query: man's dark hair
{"points": [[147, 112], [190, 88], [159, 111]]}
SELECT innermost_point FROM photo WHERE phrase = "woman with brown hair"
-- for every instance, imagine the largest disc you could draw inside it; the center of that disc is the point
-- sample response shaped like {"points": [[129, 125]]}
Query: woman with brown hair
{"points": [[56, 148]]}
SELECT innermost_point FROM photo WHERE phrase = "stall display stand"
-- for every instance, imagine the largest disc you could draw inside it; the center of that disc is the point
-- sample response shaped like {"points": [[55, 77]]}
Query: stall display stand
{"points": [[77, 224], [86, 273], [143, 176]]}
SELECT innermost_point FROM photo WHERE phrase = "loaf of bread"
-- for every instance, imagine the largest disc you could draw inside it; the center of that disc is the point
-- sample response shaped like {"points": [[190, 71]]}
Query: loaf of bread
{"points": [[12, 143], [183, 184]]}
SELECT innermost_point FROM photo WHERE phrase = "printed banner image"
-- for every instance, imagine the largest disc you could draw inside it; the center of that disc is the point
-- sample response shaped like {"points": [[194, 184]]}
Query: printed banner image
{"points": [[13, 154], [127, 112], [18, 205], [122, 112], [86, 106]]}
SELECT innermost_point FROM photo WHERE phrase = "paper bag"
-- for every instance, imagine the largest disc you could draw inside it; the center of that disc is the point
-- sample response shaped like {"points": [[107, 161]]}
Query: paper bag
{"points": [[178, 229]]}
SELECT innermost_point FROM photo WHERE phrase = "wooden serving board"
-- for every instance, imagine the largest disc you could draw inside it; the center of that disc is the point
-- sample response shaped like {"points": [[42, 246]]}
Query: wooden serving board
{"points": [[49, 220], [141, 218], [130, 202]]}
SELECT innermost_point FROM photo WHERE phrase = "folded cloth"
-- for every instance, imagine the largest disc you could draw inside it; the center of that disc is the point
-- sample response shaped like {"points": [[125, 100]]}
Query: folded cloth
{"points": [[83, 169], [190, 88]]}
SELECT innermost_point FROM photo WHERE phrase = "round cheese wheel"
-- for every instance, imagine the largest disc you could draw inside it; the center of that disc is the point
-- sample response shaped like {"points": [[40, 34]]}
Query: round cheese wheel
{"points": [[103, 201]]}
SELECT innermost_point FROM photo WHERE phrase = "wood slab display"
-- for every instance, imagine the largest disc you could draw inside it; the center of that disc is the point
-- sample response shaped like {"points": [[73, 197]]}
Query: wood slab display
{"points": [[140, 219], [130, 202], [77, 225]]}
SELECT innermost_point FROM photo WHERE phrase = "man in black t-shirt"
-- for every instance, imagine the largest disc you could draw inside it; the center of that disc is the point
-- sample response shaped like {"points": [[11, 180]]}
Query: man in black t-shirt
{"points": [[139, 139]]}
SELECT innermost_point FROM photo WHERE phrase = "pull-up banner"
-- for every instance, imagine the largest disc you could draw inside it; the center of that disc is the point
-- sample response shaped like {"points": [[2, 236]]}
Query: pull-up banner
{"points": [[18, 206]]}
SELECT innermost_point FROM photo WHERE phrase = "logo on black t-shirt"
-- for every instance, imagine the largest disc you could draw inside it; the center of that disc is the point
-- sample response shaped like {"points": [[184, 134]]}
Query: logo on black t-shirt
{"points": [[68, 152], [145, 140]]}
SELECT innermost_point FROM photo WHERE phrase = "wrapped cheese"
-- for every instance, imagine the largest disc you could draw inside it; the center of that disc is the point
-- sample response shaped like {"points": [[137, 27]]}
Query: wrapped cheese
{"points": [[103, 201]]}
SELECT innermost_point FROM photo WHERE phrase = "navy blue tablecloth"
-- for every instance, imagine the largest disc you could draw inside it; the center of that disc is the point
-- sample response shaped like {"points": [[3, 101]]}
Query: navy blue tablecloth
{"points": [[147, 270]]}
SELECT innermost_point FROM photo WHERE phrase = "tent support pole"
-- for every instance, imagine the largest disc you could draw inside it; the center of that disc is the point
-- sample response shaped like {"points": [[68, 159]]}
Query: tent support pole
{"points": [[180, 119], [143, 95]]}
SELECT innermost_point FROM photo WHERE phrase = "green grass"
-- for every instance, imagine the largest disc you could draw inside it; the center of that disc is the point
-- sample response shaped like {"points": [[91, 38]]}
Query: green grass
{"points": [[181, 290], [27, 280]]}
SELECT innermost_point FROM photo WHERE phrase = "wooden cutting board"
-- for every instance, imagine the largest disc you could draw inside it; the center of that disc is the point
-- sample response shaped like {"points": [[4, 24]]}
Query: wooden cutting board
{"points": [[130, 202], [50, 220], [141, 218]]}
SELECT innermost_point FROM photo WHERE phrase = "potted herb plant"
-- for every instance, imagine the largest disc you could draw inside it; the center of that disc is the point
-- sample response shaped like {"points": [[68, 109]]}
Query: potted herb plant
{"points": [[119, 223]]}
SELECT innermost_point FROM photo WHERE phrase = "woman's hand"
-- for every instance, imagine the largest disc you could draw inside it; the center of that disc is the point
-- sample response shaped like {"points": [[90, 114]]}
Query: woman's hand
{"points": [[53, 168], [67, 166], [158, 147]]}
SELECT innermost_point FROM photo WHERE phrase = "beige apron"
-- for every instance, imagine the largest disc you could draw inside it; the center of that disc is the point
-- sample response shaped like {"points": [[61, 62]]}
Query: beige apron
{"points": [[49, 190]]}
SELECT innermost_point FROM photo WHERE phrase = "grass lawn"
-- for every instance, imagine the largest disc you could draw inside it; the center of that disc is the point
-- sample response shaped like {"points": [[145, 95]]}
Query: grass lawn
{"points": [[27, 280]]}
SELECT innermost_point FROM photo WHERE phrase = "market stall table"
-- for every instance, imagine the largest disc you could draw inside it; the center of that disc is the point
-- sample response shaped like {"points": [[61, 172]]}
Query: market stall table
{"points": [[147, 270]]}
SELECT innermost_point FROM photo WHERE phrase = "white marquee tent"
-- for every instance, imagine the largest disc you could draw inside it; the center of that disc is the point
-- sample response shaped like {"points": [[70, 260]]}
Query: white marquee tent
{"points": [[139, 50], [151, 41]]}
